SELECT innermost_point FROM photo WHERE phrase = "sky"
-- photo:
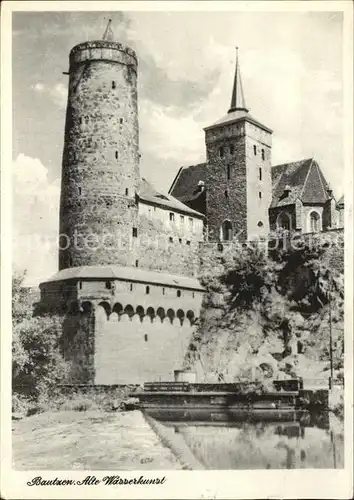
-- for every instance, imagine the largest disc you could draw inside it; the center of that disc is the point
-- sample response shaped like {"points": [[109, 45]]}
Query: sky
{"points": [[291, 66]]}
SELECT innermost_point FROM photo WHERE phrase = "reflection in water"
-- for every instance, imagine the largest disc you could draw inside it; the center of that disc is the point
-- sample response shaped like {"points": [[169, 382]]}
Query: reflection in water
{"points": [[276, 440]]}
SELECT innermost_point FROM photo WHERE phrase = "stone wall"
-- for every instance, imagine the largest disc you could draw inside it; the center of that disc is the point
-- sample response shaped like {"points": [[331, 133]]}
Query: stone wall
{"points": [[226, 199], [258, 152], [79, 345], [100, 172], [238, 179]]}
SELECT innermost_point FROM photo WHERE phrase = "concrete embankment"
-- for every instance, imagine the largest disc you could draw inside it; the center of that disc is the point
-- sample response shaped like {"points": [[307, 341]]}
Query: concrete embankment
{"points": [[90, 440]]}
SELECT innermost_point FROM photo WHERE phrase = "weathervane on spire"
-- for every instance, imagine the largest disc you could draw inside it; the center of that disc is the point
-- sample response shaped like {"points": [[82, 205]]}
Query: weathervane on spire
{"points": [[108, 34]]}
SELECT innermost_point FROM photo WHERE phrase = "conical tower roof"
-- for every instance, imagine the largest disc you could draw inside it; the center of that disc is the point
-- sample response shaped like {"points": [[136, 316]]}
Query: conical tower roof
{"points": [[237, 99]]}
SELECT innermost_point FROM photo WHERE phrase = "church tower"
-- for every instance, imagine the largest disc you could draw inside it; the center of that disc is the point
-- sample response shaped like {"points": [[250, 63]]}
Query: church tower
{"points": [[239, 186], [100, 168]]}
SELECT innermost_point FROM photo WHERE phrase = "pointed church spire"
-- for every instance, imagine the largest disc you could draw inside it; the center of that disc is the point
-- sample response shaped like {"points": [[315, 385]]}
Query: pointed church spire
{"points": [[108, 34], [237, 98]]}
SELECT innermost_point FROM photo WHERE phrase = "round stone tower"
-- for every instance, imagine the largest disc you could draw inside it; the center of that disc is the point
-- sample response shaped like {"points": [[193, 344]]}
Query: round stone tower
{"points": [[100, 169]]}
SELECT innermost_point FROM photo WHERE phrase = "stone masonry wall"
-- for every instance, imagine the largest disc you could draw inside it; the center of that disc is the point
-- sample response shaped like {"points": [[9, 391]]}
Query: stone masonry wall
{"points": [[100, 171], [226, 199], [258, 159]]}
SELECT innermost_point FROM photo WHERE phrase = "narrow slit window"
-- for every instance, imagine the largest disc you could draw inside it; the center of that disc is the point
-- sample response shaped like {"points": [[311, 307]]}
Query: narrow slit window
{"points": [[131, 287], [121, 120], [147, 290], [135, 232], [221, 152], [263, 154], [226, 193], [116, 155], [232, 149], [254, 149], [260, 174], [145, 337], [80, 285], [163, 291], [126, 191], [136, 263], [228, 173], [259, 194], [113, 84], [179, 293], [79, 190]]}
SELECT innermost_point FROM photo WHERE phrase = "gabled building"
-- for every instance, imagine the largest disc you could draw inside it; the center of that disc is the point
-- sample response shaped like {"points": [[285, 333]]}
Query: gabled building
{"points": [[241, 194]]}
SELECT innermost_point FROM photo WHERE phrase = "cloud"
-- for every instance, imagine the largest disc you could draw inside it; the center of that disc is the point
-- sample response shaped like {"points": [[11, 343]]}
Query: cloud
{"points": [[39, 87], [59, 94], [168, 136], [35, 218]]}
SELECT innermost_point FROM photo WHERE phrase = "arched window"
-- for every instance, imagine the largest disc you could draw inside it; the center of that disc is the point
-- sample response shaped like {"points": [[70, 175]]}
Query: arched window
{"points": [[315, 222], [226, 231], [284, 221]]}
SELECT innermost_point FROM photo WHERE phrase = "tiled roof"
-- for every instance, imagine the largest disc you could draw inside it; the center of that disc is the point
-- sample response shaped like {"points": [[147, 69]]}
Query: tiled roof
{"points": [[185, 186], [187, 180], [238, 114], [305, 180], [149, 194], [127, 274]]}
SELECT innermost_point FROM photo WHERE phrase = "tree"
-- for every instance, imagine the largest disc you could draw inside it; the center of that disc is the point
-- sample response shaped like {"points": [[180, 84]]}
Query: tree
{"points": [[37, 363]]}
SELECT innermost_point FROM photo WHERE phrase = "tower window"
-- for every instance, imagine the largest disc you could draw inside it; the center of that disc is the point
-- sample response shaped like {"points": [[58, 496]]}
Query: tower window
{"points": [[255, 149], [226, 193], [163, 291], [221, 152], [232, 149], [135, 232], [116, 155], [193, 295], [188, 242], [131, 287], [228, 172], [136, 263], [80, 190], [260, 174], [259, 194], [263, 155], [147, 290], [80, 285], [260, 224], [113, 84], [178, 293], [172, 216], [121, 120], [126, 191], [145, 337], [108, 285]]}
